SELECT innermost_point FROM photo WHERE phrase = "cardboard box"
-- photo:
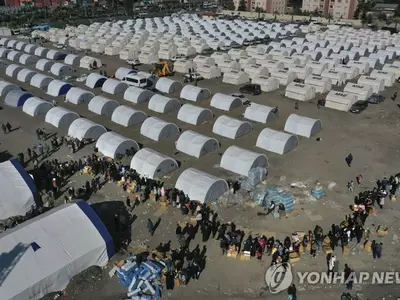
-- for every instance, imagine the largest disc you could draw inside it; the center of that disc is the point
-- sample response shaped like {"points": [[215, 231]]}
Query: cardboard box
{"points": [[245, 257], [293, 261], [177, 282], [233, 254], [368, 246], [293, 255], [372, 211], [327, 249], [346, 251], [382, 231]]}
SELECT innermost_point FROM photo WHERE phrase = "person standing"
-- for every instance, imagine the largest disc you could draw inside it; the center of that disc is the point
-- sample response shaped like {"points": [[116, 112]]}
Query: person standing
{"points": [[348, 277], [292, 291], [150, 227], [9, 127], [4, 128]]}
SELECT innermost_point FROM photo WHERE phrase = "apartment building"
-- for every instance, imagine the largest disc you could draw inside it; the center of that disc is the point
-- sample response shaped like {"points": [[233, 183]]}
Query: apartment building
{"points": [[339, 9], [269, 6]]}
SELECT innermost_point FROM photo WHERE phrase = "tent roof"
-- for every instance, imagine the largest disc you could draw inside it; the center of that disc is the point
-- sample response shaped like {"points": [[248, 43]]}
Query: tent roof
{"points": [[192, 143], [112, 143]]}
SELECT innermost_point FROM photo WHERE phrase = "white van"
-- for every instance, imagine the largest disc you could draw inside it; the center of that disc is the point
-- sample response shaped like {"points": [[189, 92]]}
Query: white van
{"points": [[135, 80]]}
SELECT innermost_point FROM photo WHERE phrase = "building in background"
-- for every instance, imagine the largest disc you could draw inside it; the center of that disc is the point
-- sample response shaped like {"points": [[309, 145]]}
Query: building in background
{"points": [[36, 2], [268, 6], [338, 9]]}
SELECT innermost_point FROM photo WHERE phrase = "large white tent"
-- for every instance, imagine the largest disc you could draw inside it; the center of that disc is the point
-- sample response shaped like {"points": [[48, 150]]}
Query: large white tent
{"points": [[6, 87], [235, 77], [241, 161], [83, 128], [302, 126], [301, 71], [194, 93], [16, 98], [196, 144], [41, 81], [225, 102], [363, 67], [284, 76], [209, 71], [18, 190], [44, 254], [55, 55], [25, 75], [299, 91], [122, 72], [102, 106], [201, 186], [77, 96], [27, 59], [127, 116], [44, 65], [363, 92], [163, 104], [60, 69], [114, 87], [95, 80], [41, 51], [231, 128], [35, 106], [13, 70], [261, 113], [157, 129], [89, 63], [58, 88], [152, 164], [111, 144], [14, 55], [184, 66], [194, 115], [72, 60], [337, 78], [388, 77], [377, 84], [321, 84], [60, 117], [276, 141], [137, 95], [267, 84], [351, 72], [168, 86], [340, 100]]}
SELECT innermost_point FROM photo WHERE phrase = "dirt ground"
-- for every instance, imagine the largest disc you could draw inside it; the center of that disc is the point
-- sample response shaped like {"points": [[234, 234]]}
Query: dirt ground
{"points": [[372, 137]]}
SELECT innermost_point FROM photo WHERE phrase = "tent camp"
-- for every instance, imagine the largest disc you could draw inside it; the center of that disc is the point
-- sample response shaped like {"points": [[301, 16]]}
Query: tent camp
{"points": [[168, 86], [382, 58], [363, 92], [16, 98], [317, 67], [363, 67], [13, 70], [27, 59], [321, 84], [290, 61], [336, 77], [60, 69], [152, 164], [377, 84], [276, 141], [194, 93], [114, 87], [209, 71], [41, 81], [225, 102], [299, 91], [4, 52], [6, 87], [273, 65], [14, 56], [41, 51], [122, 72], [163, 104], [102, 106], [95, 80], [58, 88], [340, 100], [194, 115], [373, 62], [301, 71], [35, 106], [196, 144], [89, 63], [227, 65], [84, 128], [231, 128], [331, 61], [111, 144], [127, 116], [200, 186], [351, 72], [157, 129], [77, 96], [200, 60], [392, 69], [261, 113], [72, 60], [256, 70], [19, 193], [235, 77], [55, 55], [284, 77], [44, 64], [184, 66], [241, 161], [60, 117], [302, 126], [388, 77], [25, 75], [43, 244], [137, 95], [267, 84]]}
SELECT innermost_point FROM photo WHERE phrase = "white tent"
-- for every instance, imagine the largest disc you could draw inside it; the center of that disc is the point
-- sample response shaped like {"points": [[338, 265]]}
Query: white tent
{"points": [[245, 61], [382, 58], [127, 116], [60, 69], [27, 59], [276, 141], [299, 91], [231, 128], [102, 106], [148, 58], [363, 67], [200, 60], [260, 59], [200, 186], [55, 55], [44, 64], [6, 87], [78, 96], [60, 117], [128, 53], [194, 115], [41, 81], [235, 77], [388, 77], [302, 126], [95, 80], [111, 144], [114, 87], [273, 65], [289, 61], [72, 60], [220, 56], [163, 104], [196, 144], [267, 84], [350, 71], [317, 67], [4, 52], [35, 106], [16, 98], [337, 78], [13, 70], [331, 61], [152, 164], [157, 129], [43, 244], [25, 75], [84, 128], [88, 62], [168, 86], [241, 161], [30, 49], [315, 55], [225, 102], [363, 92], [237, 53], [284, 77], [194, 93], [392, 68], [14, 56], [321, 84], [209, 71], [261, 113], [41, 51], [301, 71], [256, 70], [58, 88], [137, 95], [228, 65], [184, 66], [377, 84], [122, 72], [18, 192], [340, 100], [304, 58]]}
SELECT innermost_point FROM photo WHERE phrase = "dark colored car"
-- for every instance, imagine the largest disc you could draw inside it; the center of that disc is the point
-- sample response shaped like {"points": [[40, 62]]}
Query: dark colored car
{"points": [[252, 89], [376, 98], [207, 51], [359, 106]]}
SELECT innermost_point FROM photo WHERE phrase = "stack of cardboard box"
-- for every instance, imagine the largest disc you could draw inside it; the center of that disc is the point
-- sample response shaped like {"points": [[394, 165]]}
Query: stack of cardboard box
{"points": [[232, 252]]}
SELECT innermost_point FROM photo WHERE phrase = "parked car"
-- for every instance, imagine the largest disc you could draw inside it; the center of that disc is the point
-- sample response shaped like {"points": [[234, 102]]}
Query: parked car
{"points": [[207, 51], [252, 89], [190, 77], [376, 98], [133, 62], [240, 96], [359, 107]]}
